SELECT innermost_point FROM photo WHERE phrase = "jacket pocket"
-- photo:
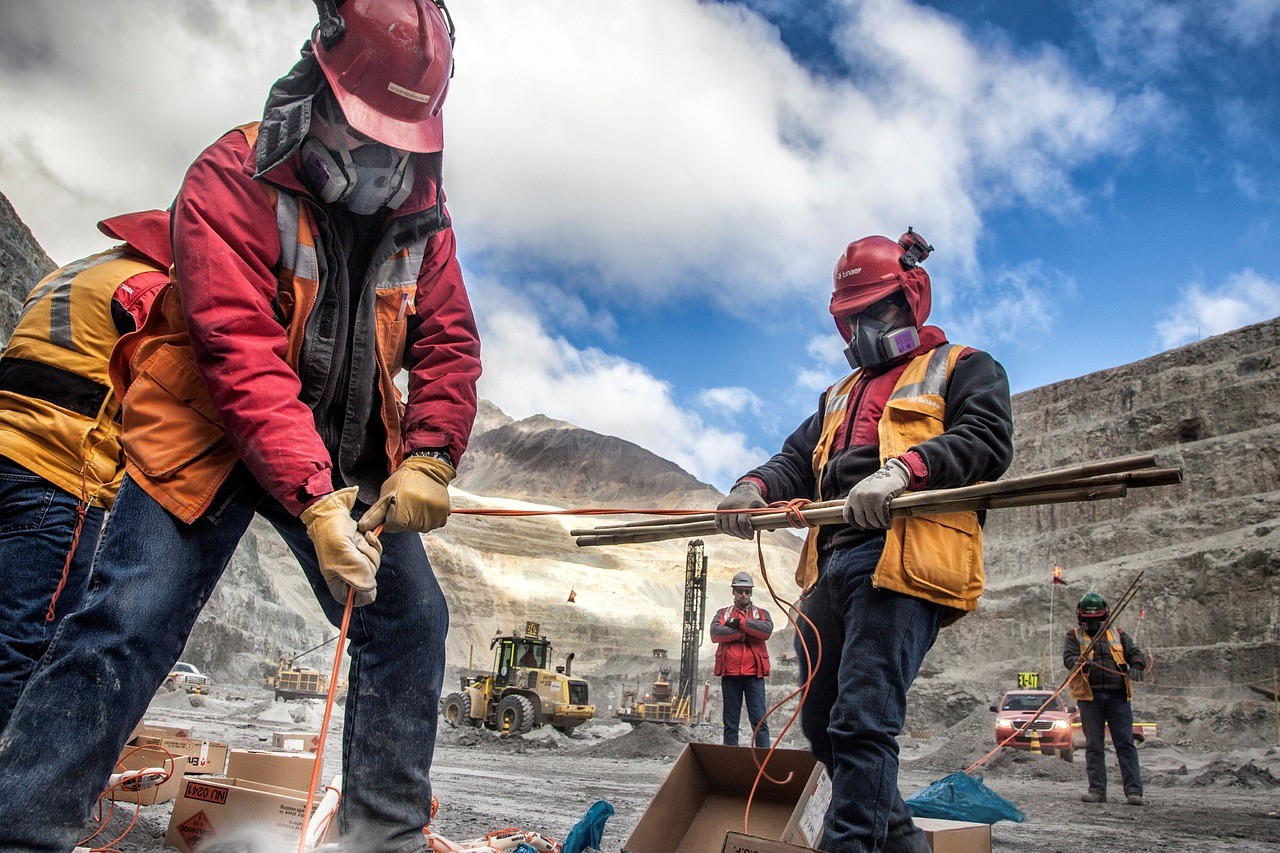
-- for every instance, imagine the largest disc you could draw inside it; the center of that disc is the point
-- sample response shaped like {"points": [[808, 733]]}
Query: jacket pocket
{"points": [[393, 309], [169, 420], [942, 554]]}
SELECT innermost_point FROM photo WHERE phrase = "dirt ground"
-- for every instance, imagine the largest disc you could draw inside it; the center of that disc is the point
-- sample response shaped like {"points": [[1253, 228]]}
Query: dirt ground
{"points": [[544, 781]]}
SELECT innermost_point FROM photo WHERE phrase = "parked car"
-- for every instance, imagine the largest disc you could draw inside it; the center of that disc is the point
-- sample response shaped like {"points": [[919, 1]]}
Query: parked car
{"points": [[187, 677], [1052, 731], [1142, 729]]}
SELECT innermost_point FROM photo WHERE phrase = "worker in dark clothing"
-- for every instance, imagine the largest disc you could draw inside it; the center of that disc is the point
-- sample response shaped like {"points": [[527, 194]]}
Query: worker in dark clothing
{"points": [[742, 660], [917, 412], [1104, 688]]}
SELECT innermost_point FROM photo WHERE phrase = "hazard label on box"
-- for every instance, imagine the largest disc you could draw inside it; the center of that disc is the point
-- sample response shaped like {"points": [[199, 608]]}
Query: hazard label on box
{"points": [[196, 828]]}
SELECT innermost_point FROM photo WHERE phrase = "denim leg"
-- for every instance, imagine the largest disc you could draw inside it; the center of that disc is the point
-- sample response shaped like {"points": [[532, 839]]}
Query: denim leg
{"points": [[873, 642], [151, 577], [394, 682], [37, 526], [1093, 723], [731, 690], [753, 692], [1119, 714]]}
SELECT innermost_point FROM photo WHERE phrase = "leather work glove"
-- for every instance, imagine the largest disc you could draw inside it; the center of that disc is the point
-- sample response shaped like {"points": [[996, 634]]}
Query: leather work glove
{"points": [[1136, 671], [741, 496], [735, 623], [347, 557], [415, 497], [868, 503]]}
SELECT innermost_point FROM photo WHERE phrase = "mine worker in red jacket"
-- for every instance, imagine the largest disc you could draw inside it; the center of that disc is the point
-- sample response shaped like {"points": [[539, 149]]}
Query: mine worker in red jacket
{"points": [[742, 660], [314, 259]]}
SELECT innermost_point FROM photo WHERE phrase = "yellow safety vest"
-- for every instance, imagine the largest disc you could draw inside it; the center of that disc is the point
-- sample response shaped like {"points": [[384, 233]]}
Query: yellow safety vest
{"points": [[936, 557], [58, 415], [1079, 684]]}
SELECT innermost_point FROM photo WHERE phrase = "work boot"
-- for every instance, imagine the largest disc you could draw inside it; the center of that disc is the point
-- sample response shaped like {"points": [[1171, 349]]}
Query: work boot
{"points": [[1134, 799], [1094, 797]]}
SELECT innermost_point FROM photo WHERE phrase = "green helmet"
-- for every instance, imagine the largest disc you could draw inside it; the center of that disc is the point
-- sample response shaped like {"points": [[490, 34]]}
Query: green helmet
{"points": [[1092, 606]]}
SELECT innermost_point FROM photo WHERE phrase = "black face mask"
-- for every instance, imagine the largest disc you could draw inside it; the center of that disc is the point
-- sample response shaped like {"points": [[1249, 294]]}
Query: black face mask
{"points": [[1093, 626], [875, 342]]}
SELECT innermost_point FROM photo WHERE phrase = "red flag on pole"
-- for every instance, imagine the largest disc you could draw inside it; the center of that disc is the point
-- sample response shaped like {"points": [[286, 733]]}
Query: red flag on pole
{"points": [[1057, 575], [1142, 614], [573, 596]]}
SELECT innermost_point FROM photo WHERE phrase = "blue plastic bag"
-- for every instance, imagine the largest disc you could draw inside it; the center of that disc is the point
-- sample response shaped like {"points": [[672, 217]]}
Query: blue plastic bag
{"points": [[963, 797], [589, 831]]}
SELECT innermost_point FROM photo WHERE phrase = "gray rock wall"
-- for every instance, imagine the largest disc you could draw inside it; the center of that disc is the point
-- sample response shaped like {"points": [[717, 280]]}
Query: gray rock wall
{"points": [[22, 264]]}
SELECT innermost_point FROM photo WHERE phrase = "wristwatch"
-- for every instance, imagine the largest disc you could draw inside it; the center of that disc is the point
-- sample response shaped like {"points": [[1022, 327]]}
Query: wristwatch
{"points": [[436, 453]]}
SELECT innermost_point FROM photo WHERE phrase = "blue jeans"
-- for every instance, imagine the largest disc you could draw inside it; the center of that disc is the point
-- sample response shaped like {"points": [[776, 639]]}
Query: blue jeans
{"points": [[873, 642], [734, 689], [1111, 710], [152, 576], [37, 525]]}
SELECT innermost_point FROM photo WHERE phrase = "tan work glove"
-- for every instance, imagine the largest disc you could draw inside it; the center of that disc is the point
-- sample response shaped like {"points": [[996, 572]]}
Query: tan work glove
{"points": [[415, 497], [742, 496], [347, 557]]}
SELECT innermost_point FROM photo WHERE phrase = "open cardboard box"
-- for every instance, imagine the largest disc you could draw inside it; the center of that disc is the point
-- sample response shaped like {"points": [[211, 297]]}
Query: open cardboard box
{"points": [[208, 808], [705, 795], [290, 770]]}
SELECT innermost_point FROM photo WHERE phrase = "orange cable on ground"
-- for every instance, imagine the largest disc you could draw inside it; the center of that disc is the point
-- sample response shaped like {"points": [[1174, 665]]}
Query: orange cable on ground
{"points": [[318, 768]]}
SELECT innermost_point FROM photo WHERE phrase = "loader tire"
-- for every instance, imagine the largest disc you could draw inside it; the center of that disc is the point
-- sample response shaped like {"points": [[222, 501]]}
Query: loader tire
{"points": [[515, 715], [456, 710]]}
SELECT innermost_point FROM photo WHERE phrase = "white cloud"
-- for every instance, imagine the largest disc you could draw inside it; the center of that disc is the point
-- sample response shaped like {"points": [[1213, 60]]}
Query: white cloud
{"points": [[530, 371], [1242, 299], [730, 400], [1019, 304], [645, 149]]}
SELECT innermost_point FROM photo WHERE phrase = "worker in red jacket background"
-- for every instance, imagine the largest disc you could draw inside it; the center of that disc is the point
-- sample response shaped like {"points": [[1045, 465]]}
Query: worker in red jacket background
{"points": [[742, 660]]}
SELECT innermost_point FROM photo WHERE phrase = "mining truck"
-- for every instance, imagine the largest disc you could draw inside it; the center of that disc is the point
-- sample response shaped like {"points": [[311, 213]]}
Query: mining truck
{"points": [[521, 691], [657, 706]]}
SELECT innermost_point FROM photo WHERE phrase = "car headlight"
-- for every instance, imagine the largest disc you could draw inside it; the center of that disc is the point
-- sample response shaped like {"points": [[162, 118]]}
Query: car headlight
{"points": [[1004, 724], [1061, 724]]}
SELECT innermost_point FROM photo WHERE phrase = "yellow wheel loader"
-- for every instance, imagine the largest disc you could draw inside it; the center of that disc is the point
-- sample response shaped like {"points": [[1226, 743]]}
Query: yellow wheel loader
{"points": [[521, 691]]}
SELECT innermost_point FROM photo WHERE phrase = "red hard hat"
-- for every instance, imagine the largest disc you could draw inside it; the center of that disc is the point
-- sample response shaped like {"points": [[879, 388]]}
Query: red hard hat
{"points": [[875, 267], [389, 67]]}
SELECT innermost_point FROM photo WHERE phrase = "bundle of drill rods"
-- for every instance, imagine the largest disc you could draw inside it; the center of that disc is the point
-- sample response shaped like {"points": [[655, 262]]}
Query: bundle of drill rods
{"points": [[1093, 481]]}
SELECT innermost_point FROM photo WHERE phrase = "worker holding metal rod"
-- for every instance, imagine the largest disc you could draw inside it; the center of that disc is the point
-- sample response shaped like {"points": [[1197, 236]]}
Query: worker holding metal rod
{"points": [[917, 412]]}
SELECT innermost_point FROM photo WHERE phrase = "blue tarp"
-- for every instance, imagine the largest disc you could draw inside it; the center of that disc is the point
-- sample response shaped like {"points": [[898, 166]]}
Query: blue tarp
{"points": [[588, 832], [963, 797]]}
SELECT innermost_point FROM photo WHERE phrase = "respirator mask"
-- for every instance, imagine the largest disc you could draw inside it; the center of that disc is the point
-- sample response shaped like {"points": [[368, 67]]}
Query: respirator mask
{"points": [[1093, 626], [343, 168], [878, 336]]}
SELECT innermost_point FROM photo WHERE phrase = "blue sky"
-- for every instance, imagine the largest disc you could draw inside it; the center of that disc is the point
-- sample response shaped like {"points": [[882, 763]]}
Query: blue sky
{"points": [[650, 194]]}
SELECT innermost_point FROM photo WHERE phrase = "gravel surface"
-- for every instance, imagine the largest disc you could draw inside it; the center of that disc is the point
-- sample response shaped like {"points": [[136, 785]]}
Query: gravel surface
{"points": [[1196, 800]]}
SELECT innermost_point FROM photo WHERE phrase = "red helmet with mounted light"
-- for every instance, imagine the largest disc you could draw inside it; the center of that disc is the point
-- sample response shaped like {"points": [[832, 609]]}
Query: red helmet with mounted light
{"points": [[388, 64], [881, 297]]}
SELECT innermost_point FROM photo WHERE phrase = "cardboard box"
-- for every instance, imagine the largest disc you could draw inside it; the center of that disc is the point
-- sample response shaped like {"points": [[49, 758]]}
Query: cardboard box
{"points": [[208, 808], [956, 836], [705, 794], [944, 836], [282, 769], [296, 741], [154, 730], [133, 758], [736, 842], [200, 756]]}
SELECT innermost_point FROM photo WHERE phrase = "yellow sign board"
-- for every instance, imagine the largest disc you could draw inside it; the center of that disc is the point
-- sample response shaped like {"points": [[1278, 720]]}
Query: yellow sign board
{"points": [[1028, 681], [532, 629]]}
